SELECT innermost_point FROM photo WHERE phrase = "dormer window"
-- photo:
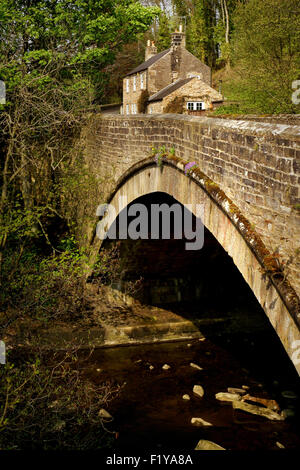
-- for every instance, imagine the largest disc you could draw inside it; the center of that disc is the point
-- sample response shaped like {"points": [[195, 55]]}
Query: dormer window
{"points": [[127, 85]]}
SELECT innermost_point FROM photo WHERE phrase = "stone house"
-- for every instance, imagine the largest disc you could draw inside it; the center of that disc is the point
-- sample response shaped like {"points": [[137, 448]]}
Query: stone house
{"points": [[173, 80]]}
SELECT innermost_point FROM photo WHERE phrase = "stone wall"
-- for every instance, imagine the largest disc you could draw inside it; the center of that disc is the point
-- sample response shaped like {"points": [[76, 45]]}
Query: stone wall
{"points": [[159, 74], [194, 90], [190, 63], [132, 96], [256, 164]]}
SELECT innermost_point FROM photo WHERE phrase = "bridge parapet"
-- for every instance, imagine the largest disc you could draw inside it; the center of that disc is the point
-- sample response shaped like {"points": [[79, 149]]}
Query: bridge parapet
{"points": [[256, 164]]}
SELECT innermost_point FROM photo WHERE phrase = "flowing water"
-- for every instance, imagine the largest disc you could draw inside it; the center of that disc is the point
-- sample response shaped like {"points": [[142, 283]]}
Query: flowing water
{"points": [[150, 412]]}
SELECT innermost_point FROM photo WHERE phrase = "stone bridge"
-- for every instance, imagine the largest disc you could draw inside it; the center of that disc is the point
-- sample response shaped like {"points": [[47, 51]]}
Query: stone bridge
{"points": [[247, 177]]}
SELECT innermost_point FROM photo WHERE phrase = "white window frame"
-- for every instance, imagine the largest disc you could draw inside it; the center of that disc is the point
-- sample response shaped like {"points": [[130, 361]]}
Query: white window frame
{"points": [[127, 85], [195, 106], [134, 83], [132, 109], [127, 108], [142, 81]]}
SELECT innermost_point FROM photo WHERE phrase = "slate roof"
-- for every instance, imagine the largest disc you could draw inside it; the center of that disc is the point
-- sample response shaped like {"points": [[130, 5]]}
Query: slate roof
{"points": [[145, 65], [169, 89]]}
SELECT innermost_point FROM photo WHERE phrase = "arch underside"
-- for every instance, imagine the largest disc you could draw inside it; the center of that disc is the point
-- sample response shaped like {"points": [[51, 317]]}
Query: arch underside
{"points": [[170, 179]]}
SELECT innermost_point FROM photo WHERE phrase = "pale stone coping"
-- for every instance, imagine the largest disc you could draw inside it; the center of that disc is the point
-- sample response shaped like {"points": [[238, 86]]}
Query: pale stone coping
{"points": [[257, 127]]}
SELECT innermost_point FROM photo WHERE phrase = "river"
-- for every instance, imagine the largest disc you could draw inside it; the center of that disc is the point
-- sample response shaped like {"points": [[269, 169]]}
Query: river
{"points": [[150, 412]]}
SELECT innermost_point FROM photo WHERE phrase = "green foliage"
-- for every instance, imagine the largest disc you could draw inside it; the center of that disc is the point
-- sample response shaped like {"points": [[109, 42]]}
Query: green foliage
{"points": [[163, 40], [198, 32], [266, 54], [52, 406], [52, 58], [209, 27], [64, 39], [229, 109], [45, 288]]}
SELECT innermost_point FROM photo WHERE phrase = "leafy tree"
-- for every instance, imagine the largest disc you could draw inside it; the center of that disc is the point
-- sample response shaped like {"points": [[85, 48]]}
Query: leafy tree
{"points": [[223, 29], [163, 40], [209, 28], [266, 53], [52, 57]]}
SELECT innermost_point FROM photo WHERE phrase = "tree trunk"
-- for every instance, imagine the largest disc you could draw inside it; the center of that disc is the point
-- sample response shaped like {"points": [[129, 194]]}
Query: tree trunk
{"points": [[227, 22]]}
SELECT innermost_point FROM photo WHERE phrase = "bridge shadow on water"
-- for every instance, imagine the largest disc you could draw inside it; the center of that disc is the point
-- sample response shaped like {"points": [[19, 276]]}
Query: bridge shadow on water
{"points": [[203, 287]]}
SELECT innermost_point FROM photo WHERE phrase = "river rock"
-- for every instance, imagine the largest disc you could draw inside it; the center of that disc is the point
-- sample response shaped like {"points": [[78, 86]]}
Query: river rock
{"points": [[104, 414], [281, 446], [289, 394], [195, 366], [245, 387], [166, 367], [198, 390], [257, 410], [225, 396], [272, 404], [208, 445], [239, 391], [200, 422], [186, 397]]}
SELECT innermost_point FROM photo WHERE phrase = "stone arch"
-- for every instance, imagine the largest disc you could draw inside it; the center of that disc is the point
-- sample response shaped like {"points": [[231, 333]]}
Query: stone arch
{"points": [[260, 269]]}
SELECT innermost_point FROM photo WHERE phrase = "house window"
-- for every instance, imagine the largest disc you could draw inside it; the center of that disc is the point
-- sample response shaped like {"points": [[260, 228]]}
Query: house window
{"points": [[142, 81], [133, 108], [127, 108], [150, 110], [127, 85], [134, 83], [195, 105]]}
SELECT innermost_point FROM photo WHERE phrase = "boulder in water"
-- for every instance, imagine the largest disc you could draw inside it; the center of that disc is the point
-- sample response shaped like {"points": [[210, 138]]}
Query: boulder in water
{"points": [[200, 422], [208, 445], [225, 396], [198, 390]]}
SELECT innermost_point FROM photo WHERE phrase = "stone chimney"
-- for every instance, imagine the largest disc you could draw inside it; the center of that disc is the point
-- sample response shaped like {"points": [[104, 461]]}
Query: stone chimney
{"points": [[178, 38], [150, 50]]}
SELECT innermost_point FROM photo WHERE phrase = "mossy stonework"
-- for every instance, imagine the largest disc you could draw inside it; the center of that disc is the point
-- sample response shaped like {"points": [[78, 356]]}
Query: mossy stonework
{"points": [[247, 177]]}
